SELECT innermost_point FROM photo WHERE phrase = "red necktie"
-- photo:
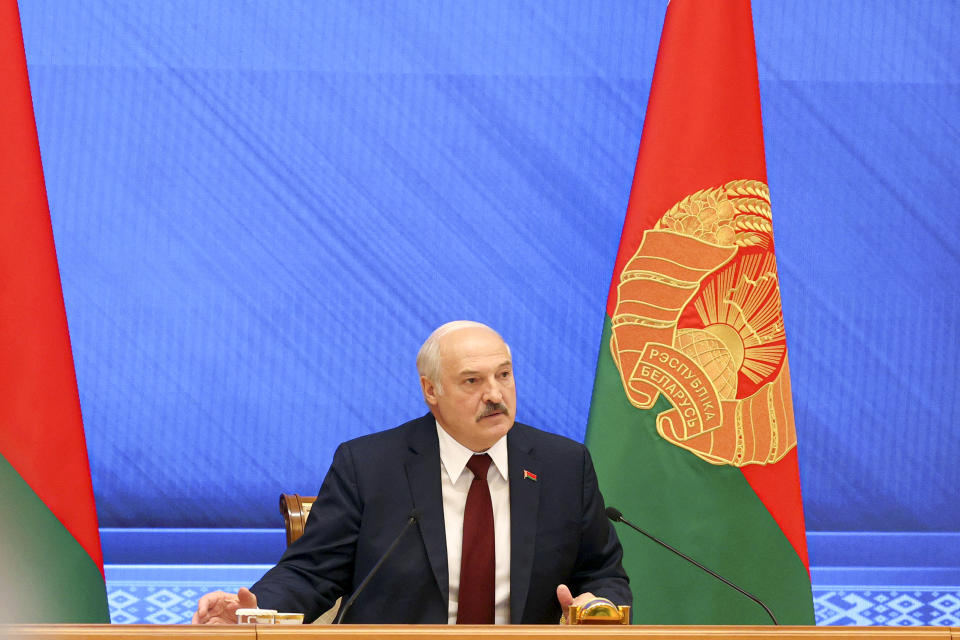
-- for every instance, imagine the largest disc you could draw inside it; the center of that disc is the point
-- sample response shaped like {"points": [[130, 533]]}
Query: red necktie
{"points": [[477, 561]]}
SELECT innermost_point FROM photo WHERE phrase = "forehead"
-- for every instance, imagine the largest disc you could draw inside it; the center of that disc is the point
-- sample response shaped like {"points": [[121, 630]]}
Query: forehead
{"points": [[472, 348]]}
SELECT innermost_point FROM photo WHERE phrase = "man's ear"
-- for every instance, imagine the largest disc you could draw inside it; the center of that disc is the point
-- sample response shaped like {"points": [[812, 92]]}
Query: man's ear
{"points": [[429, 390]]}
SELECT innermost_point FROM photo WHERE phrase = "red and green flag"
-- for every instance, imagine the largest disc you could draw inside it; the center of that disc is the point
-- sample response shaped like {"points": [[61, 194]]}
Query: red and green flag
{"points": [[691, 423], [51, 567]]}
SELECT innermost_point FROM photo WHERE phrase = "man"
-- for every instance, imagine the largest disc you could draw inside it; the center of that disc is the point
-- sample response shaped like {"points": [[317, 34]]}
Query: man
{"points": [[499, 544]]}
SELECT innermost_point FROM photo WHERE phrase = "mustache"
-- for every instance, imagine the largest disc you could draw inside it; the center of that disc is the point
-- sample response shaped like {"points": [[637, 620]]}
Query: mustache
{"points": [[492, 408]]}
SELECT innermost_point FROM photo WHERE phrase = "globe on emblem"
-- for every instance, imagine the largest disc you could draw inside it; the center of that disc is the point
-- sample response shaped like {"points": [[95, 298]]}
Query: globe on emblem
{"points": [[713, 356]]}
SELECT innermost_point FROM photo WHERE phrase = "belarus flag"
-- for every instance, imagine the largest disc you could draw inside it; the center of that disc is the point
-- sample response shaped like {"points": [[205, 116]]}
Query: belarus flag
{"points": [[51, 569], [691, 424]]}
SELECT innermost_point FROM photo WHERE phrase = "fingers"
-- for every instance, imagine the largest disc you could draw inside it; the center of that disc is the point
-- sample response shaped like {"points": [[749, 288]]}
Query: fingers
{"points": [[583, 599], [566, 599], [246, 598], [217, 607], [203, 607]]}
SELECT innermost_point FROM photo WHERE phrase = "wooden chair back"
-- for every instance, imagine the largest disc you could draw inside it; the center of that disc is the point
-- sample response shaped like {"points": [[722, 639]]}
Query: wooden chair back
{"points": [[295, 508]]}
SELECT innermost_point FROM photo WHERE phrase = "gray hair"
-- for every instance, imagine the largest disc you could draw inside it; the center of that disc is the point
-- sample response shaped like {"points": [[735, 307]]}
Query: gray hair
{"points": [[428, 358]]}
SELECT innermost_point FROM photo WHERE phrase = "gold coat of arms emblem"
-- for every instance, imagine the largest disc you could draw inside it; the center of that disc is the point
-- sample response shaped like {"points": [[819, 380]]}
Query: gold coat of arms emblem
{"points": [[698, 320]]}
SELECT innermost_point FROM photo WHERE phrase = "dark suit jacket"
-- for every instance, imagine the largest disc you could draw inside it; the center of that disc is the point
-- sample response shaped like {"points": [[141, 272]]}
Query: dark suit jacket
{"points": [[559, 532]]}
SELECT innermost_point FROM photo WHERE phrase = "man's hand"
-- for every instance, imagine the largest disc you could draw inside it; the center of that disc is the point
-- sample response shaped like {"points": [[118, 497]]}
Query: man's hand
{"points": [[220, 607], [566, 598]]}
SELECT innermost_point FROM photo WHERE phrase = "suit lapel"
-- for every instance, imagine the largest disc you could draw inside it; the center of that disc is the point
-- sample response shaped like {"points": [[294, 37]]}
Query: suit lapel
{"points": [[524, 502], [423, 474]]}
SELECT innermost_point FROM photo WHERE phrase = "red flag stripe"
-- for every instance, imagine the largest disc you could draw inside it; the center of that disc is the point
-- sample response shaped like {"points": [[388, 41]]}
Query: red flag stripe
{"points": [[41, 430]]}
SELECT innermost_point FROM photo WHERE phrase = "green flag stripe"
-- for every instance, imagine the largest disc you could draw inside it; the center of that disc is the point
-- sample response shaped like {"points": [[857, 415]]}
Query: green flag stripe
{"points": [[45, 575], [708, 511]]}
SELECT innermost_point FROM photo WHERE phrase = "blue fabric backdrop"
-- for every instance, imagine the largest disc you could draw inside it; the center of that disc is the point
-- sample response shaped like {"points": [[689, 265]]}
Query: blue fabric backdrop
{"points": [[261, 210]]}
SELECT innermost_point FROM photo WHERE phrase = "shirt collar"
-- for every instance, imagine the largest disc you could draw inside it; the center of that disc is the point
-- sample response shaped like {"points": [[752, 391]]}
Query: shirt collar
{"points": [[454, 456]]}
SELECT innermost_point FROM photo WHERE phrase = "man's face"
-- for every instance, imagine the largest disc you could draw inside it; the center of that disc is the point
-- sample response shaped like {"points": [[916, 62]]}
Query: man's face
{"points": [[478, 401]]}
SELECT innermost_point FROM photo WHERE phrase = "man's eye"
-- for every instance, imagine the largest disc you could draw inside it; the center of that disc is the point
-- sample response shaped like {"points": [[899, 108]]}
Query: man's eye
{"points": [[504, 374], [470, 380]]}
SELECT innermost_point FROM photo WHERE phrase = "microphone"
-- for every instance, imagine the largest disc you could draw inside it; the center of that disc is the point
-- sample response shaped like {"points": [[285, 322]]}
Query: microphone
{"points": [[617, 516], [412, 517]]}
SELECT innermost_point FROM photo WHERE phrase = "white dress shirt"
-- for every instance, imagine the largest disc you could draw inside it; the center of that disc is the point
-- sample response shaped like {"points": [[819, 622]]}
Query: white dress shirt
{"points": [[455, 481]]}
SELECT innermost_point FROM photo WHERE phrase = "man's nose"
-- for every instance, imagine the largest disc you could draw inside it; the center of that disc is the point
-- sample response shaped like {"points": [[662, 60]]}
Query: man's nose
{"points": [[492, 392]]}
